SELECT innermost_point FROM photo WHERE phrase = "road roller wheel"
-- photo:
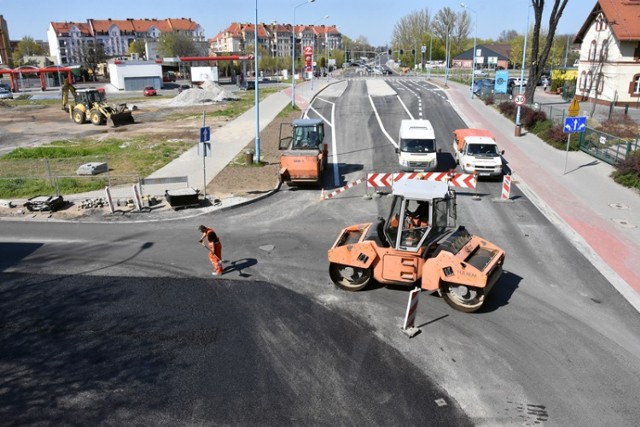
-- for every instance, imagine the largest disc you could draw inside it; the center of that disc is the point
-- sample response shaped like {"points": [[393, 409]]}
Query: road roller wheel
{"points": [[349, 278], [461, 297]]}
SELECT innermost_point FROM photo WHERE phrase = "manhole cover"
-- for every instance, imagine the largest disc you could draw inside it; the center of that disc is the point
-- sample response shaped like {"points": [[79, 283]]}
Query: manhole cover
{"points": [[441, 402], [623, 223], [618, 206]]}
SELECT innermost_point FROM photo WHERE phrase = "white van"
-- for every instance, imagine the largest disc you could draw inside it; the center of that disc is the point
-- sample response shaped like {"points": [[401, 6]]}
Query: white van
{"points": [[417, 146]]}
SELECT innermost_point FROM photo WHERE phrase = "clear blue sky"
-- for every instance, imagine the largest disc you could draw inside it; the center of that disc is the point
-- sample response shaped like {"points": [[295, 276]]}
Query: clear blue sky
{"points": [[373, 19]]}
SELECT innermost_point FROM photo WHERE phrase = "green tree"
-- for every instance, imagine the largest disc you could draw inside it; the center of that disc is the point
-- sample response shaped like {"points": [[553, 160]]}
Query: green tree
{"points": [[139, 47], [25, 47], [176, 44]]}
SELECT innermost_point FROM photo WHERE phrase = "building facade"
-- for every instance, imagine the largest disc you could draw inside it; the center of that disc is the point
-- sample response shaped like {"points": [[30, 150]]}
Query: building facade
{"points": [[488, 56], [275, 39], [74, 42], [609, 67]]}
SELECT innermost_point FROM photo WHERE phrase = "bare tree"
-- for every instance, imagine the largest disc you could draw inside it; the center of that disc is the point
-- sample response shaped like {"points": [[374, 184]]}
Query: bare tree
{"points": [[538, 57], [506, 36], [410, 29]]}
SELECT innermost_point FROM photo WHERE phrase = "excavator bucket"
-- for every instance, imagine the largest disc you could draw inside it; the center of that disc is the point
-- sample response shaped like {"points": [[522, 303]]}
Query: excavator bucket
{"points": [[119, 119], [119, 114]]}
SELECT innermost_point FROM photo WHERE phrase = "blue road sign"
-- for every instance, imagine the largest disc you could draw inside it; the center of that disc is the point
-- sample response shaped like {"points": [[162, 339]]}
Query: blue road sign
{"points": [[205, 134], [574, 124]]}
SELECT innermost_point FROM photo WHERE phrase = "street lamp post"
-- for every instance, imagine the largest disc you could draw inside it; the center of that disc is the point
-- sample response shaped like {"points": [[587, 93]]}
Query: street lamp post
{"points": [[518, 130], [313, 52], [475, 38], [293, 54], [430, 64], [446, 58], [326, 45], [257, 87]]}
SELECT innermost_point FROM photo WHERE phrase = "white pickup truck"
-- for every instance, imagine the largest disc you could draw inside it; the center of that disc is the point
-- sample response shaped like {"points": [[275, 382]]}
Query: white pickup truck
{"points": [[476, 151]]}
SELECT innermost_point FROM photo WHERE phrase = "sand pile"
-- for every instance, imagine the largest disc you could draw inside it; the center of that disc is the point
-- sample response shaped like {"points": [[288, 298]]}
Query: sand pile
{"points": [[208, 93]]}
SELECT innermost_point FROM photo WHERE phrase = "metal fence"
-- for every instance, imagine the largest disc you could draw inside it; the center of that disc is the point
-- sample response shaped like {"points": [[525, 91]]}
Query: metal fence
{"points": [[608, 148], [56, 176]]}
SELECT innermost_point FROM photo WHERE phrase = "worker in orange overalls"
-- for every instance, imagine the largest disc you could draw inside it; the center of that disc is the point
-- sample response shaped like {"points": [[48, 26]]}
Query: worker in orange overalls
{"points": [[215, 248]]}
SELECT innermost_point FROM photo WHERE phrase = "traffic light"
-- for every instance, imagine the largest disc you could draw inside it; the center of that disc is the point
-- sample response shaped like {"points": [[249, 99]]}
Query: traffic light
{"points": [[401, 51], [389, 51], [413, 52]]}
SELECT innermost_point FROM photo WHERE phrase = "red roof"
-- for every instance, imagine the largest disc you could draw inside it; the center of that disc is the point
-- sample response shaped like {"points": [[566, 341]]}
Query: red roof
{"points": [[129, 25], [623, 17]]}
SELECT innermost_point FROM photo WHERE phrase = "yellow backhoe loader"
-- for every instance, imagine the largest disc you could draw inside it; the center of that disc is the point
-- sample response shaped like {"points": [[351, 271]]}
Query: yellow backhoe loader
{"points": [[91, 104]]}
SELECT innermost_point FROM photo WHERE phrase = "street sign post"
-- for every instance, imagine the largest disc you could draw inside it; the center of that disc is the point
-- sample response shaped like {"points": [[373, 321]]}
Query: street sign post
{"points": [[572, 125], [204, 149], [205, 133]]}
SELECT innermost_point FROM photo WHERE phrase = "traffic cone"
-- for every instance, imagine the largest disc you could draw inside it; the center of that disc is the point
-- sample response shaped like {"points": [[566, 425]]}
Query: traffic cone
{"points": [[322, 194]]}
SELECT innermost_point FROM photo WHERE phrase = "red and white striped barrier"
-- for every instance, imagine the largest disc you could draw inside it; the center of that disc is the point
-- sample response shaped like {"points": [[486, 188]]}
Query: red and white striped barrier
{"points": [[408, 326], [376, 180], [340, 190], [506, 187]]}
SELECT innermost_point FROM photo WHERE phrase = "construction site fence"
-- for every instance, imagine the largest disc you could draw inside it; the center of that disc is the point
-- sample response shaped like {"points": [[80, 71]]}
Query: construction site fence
{"points": [[59, 175]]}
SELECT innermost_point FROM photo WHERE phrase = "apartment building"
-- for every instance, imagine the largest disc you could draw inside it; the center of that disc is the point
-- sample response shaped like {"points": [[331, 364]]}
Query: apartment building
{"points": [[275, 38], [72, 42]]}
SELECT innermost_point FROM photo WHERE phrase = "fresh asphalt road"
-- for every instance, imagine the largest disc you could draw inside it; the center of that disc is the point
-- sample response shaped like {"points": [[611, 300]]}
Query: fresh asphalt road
{"points": [[115, 323]]}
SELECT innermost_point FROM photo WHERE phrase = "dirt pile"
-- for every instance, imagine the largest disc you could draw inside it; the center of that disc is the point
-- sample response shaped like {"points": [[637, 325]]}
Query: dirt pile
{"points": [[208, 93]]}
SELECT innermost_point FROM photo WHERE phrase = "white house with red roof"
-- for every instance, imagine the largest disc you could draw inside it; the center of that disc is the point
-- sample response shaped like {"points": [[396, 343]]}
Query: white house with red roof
{"points": [[609, 67]]}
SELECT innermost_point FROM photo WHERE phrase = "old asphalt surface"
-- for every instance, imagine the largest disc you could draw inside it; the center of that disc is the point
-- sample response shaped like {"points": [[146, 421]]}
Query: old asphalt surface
{"points": [[573, 190]]}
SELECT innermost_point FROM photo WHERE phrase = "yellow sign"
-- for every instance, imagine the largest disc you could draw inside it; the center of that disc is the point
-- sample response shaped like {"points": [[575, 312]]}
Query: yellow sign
{"points": [[574, 108]]}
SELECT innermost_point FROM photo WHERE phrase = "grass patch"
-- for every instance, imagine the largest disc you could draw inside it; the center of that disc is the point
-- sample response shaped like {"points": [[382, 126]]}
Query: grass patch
{"points": [[47, 169], [27, 172]]}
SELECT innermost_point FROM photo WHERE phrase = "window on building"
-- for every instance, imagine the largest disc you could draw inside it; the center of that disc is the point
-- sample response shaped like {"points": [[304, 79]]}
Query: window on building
{"points": [[601, 22], [589, 80], [592, 51], [600, 83], [604, 51], [634, 85], [583, 81]]}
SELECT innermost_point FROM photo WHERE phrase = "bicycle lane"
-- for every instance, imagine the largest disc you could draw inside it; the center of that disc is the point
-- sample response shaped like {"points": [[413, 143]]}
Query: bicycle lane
{"points": [[617, 248]]}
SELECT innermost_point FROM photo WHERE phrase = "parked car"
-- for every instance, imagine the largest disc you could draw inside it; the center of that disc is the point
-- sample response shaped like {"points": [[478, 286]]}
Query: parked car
{"points": [[5, 94], [482, 86], [182, 88], [516, 82], [149, 91], [44, 203]]}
